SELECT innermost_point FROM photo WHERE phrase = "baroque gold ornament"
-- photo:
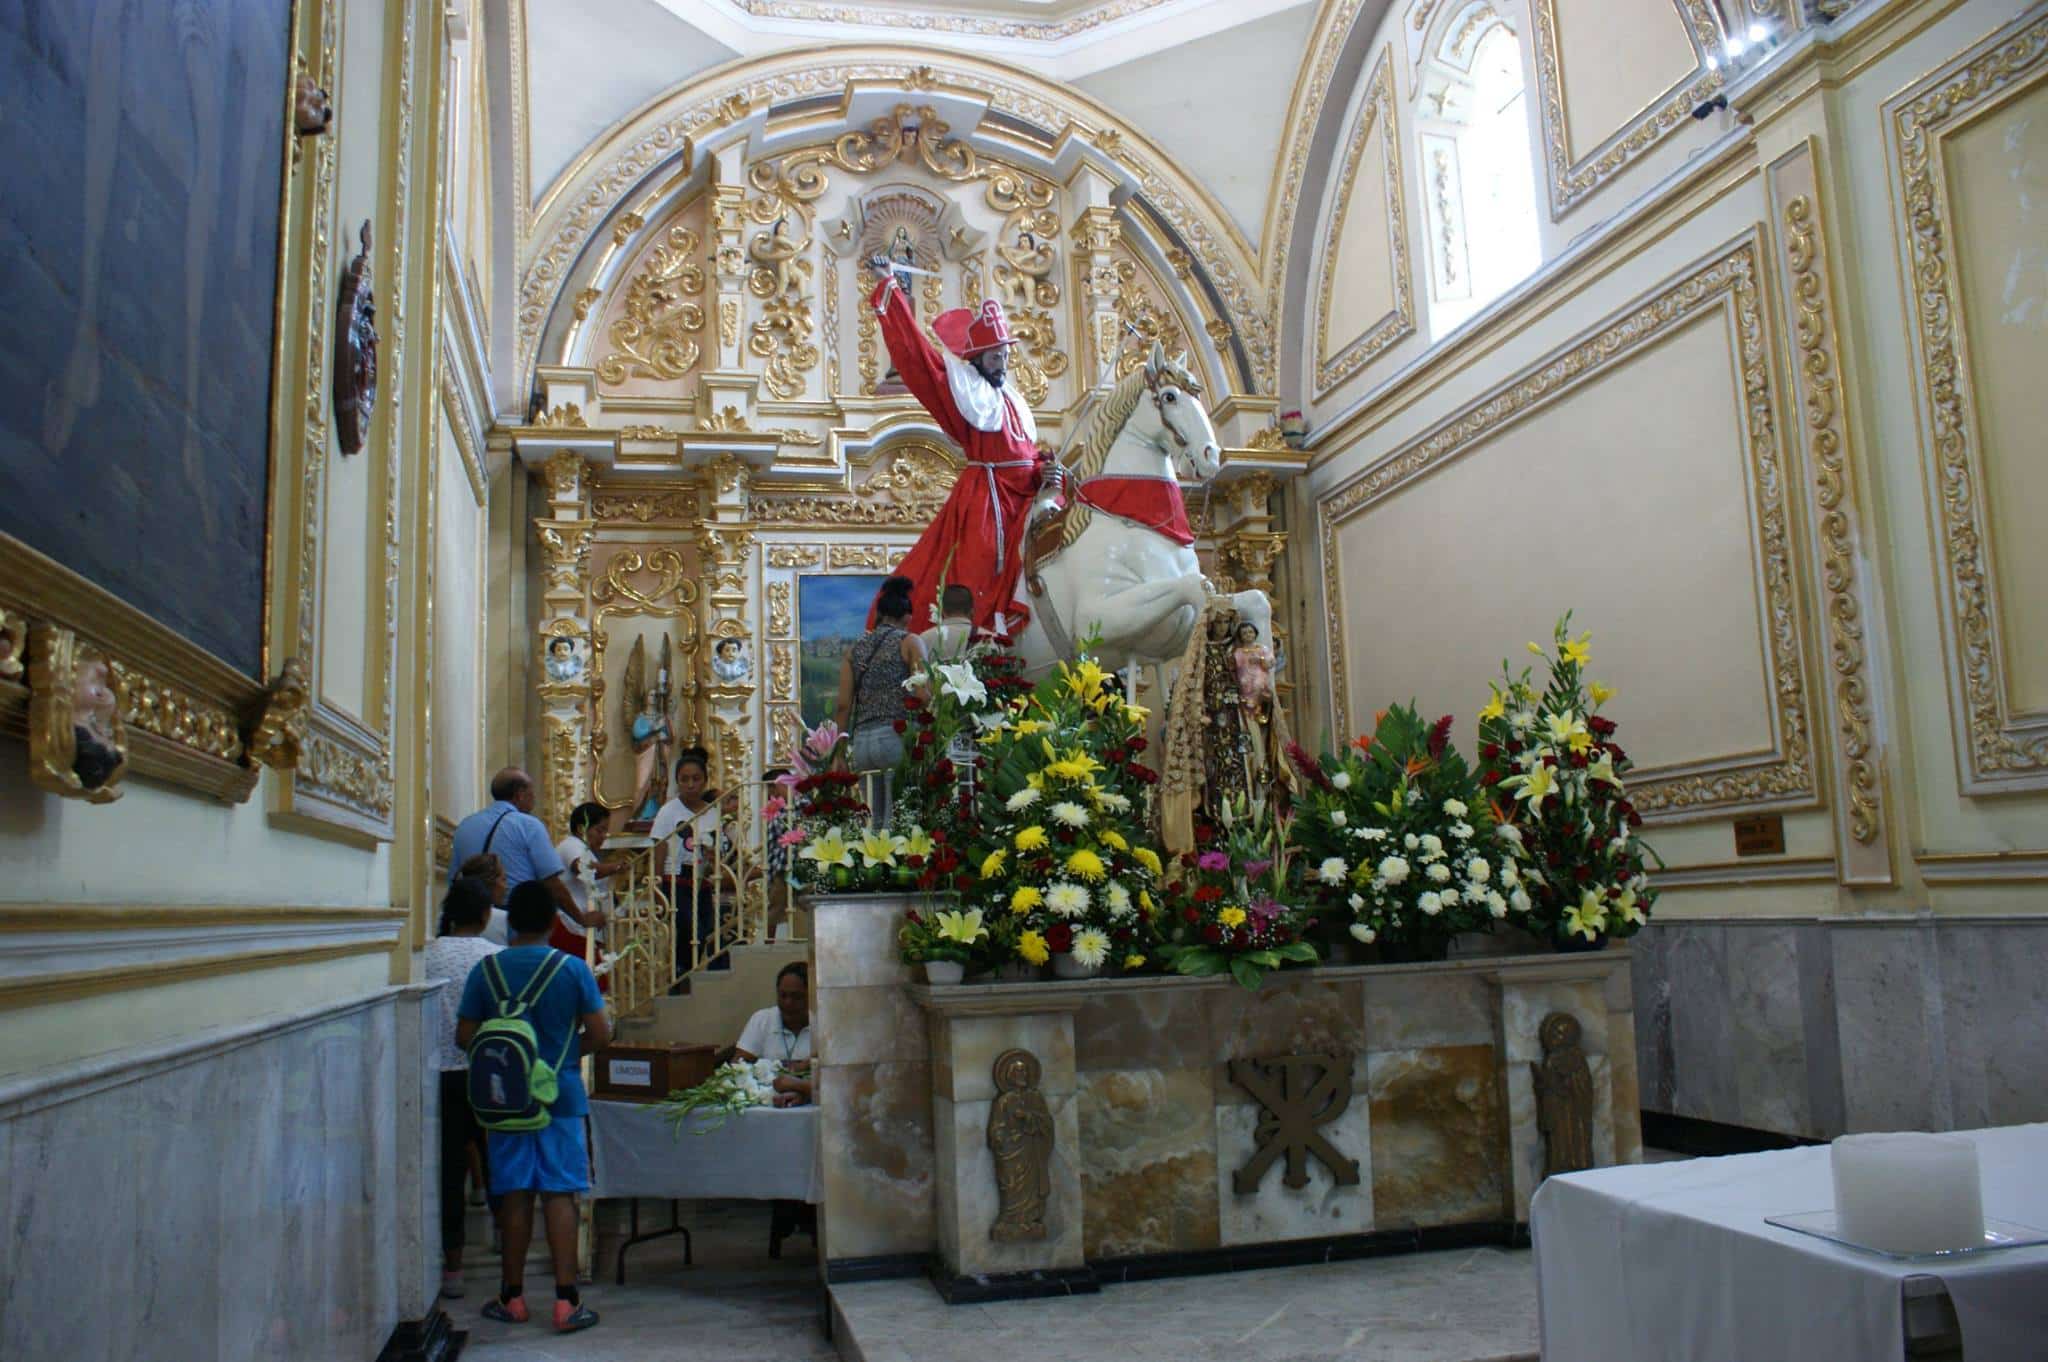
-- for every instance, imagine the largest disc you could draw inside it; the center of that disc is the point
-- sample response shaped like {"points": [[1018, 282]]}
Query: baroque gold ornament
{"points": [[280, 727], [77, 739], [654, 337]]}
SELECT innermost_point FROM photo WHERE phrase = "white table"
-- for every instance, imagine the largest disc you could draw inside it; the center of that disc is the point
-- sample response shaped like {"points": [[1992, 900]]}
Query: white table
{"points": [[1674, 1261], [762, 1154]]}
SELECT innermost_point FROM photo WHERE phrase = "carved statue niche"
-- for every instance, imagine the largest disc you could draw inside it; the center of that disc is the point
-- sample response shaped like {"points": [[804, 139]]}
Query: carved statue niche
{"points": [[903, 224], [77, 739], [1564, 1096], [355, 351], [650, 725], [1020, 1136]]}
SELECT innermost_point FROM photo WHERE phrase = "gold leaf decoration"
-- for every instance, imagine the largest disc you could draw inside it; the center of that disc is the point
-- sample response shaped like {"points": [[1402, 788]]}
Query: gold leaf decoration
{"points": [[654, 336]]}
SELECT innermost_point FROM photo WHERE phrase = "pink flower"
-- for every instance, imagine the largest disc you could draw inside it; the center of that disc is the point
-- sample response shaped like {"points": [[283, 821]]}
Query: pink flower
{"points": [[791, 838], [772, 809], [1212, 860], [1257, 868]]}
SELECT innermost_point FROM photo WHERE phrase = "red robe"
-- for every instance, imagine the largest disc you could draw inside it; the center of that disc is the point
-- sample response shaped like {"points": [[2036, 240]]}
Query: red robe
{"points": [[976, 539]]}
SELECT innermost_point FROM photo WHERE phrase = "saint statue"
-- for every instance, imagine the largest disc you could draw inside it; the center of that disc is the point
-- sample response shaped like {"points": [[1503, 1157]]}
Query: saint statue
{"points": [[1020, 1136], [1227, 770], [649, 728], [730, 663], [1253, 663], [976, 540], [564, 662], [1564, 1096], [96, 747]]}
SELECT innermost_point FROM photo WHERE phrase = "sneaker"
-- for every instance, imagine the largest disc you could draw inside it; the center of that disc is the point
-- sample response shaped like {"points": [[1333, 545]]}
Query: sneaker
{"points": [[451, 1285], [506, 1312], [570, 1318]]}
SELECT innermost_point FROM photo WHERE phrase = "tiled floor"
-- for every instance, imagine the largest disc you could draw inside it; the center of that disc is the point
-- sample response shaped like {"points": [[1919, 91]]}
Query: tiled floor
{"points": [[735, 1305], [1459, 1306]]}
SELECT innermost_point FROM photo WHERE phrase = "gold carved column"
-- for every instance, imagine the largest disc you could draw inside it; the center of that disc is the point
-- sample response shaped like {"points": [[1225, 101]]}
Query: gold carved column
{"points": [[726, 392], [1096, 235], [730, 710], [565, 531]]}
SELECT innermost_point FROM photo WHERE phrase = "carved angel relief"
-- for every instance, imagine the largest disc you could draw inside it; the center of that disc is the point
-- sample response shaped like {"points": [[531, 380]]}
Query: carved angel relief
{"points": [[281, 727], [77, 739], [355, 351]]}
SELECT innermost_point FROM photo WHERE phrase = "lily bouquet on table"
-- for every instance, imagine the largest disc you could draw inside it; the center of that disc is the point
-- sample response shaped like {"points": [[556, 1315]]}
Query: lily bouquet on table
{"points": [[1395, 841], [1060, 859], [731, 1089], [1230, 901], [822, 821], [1550, 762]]}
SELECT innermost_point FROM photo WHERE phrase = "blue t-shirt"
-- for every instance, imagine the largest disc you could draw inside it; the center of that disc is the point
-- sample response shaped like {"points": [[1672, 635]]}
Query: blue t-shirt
{"points": [[521, 844], [555, 1016]]}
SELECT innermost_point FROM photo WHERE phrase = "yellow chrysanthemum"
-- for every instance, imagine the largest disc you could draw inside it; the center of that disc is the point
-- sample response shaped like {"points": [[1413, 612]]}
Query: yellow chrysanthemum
{"points": [[1145, 902], [1086, 864], [1112, 839], [1031, 838], [1233, 916], [1031, 946], [1024, 898], [1075, 765], [1146, 857], [1134, 962], [992, 864]]}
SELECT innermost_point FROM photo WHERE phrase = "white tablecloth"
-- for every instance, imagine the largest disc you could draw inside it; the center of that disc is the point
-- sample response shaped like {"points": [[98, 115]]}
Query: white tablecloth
{"points": [[764, 1154], [1674, 1261]]}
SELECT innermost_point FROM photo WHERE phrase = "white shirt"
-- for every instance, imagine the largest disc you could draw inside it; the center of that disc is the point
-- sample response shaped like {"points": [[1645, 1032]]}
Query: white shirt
{"points": [[452, 958], [670, 819], [580, 864], [765, 1037], [498, 931], [946, 640]]}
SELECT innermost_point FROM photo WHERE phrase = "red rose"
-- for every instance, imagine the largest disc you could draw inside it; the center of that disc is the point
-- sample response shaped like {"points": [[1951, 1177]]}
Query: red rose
{"points": [[899, 725], [1190, 915], [1490, 751], [1582, 873], [1490, 778], [1136, 744], [1601, 727], [1208, 893], [1060, 937], [1241, 937], [1212, 934]]}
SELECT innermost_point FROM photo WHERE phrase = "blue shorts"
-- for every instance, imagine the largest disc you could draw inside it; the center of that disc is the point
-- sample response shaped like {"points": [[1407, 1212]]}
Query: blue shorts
{"points": [[552, 1159]]}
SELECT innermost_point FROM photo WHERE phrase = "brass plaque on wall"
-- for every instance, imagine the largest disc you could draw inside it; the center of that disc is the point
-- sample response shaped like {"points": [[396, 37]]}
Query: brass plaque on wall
{"points": [[1762, 835]]}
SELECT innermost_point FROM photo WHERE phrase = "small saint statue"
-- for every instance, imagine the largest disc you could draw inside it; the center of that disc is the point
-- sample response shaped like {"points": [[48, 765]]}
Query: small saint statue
{"points": [[1226, 749], [1564, 1096], [730, 663], [1020, 1136], [1253, 663], [96, 753]]}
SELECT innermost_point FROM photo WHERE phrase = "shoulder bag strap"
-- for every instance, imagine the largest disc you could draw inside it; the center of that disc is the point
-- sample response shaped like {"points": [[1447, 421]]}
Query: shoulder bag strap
{"points": [[494, 829]]}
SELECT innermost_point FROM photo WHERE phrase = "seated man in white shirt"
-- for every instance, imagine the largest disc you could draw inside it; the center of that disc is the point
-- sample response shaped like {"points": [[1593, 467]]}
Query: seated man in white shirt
{"points": [[783, 1033]]}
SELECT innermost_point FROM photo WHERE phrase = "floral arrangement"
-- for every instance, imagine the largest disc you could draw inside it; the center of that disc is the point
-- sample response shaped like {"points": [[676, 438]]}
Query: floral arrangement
{"points": [[731, 1089], [954, 935], [1556, 773], [823, 819], [1395, 839], [1057, 854], [1229, 902]]}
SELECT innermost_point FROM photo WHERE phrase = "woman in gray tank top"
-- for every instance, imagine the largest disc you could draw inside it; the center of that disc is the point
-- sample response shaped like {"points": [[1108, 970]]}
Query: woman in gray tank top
{"points": [[871, 677]]}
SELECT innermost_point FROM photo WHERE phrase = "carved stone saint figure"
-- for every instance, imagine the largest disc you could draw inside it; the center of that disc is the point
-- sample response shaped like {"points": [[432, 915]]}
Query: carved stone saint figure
{"points": [[1564, 1096], [1020, 1137], [355, 351]]}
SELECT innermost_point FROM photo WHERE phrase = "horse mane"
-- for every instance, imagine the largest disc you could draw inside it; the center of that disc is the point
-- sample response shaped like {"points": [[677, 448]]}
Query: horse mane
{"points": [[1091, 451]]}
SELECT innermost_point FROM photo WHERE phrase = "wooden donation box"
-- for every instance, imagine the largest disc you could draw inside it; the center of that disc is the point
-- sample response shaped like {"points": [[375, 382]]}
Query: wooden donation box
{"points": [[649, 1073]]}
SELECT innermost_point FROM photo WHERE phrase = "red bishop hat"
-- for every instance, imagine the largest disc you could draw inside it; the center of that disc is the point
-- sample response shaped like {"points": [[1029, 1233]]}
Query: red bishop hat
{"points": [[968, 331]]}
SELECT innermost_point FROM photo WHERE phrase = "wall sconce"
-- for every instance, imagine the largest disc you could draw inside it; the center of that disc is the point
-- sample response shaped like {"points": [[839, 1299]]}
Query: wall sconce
{"points": [[1739, 53]]}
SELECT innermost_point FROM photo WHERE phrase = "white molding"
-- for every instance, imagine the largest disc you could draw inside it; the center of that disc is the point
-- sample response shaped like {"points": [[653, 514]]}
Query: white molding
{"points": [[33, 954]]}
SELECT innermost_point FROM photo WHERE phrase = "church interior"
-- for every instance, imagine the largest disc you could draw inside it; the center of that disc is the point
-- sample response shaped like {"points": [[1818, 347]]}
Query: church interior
{"points": [[501, 459]]}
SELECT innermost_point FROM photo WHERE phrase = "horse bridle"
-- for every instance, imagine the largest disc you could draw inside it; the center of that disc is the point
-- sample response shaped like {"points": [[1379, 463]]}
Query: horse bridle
{"points": [[1156, 385]]}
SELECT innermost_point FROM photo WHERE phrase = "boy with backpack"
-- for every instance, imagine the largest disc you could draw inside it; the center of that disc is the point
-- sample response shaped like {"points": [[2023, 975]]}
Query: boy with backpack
{"points": [[520, 1017]]}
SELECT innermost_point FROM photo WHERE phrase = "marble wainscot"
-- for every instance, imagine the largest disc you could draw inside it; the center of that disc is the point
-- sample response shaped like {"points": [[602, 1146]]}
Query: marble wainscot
{"points": [[260, 1191]]}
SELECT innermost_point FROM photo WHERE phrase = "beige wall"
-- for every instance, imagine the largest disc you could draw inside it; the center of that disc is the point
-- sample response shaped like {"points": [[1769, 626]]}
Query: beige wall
{"points": [[1601, 443]]}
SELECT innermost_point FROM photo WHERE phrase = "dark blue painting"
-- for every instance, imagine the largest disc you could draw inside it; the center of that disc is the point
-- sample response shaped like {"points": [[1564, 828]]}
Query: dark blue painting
{"points": [[831, 613], [144, 149]]}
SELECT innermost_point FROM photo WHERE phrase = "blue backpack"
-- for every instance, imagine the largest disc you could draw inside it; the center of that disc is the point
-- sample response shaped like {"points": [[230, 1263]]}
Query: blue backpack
{"points": [[510, 1085]]}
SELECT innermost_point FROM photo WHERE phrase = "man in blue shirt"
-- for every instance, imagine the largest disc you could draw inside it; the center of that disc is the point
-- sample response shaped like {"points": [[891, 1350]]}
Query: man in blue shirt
{"points": [[552, 1161], [509, 831]]}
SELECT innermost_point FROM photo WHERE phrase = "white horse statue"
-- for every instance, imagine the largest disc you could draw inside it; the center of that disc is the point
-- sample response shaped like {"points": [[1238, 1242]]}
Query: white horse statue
{"points": [[1118, 576]]}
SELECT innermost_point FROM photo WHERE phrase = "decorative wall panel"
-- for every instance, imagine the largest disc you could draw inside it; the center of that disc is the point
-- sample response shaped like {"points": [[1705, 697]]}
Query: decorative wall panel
{"points": [[1365, 299]]}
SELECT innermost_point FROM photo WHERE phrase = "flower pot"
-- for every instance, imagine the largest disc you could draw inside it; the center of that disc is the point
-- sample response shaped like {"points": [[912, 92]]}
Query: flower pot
{"points": [[1571, 943], [1341, 950], [943, 971], [1408, 952], [1067, 967], [1017, 972]]}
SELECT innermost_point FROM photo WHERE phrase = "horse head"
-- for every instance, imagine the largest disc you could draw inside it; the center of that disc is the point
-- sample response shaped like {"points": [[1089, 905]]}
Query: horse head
{"points": [[1185, 430]]}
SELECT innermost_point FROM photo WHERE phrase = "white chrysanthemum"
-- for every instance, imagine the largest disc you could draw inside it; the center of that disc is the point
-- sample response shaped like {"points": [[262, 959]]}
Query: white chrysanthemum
{"points": [[1450, 898], [1455, 808], [1370, 834], [1357, 902], [1430, 904], [1432, 845], [1393, 869], [1361, 932], [1120, 904], [1495, 904], [1519, 900], [1411, 841], [1069, 813], [1438, 873], [1341, 779], [1509, 833], [1091, 947], [1114, 802], [1510, 875], [1522, 720], [1478, 871], [1331, 871], [1462, 831], [1022, 800], [1338, 818], [1067, 900]]}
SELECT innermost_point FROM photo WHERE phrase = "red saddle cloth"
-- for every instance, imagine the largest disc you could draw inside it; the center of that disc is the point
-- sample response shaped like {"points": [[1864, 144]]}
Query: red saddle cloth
{"points": [[1152, 502]]}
